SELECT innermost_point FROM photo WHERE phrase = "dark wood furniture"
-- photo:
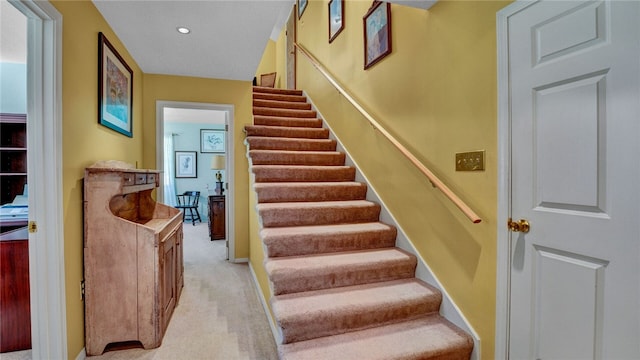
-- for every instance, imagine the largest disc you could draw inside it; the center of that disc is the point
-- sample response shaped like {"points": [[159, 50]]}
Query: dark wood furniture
{"points": [[15, 308], [132, 257], [13, 156], [217, 229]]}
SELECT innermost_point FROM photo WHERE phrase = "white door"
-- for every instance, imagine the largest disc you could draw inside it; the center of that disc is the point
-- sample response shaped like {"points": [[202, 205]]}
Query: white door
{"points": [[574, 78]]}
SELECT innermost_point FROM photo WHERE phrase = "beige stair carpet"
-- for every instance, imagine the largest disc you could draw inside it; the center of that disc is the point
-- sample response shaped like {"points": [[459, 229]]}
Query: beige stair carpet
{"points": [[341, 289]]}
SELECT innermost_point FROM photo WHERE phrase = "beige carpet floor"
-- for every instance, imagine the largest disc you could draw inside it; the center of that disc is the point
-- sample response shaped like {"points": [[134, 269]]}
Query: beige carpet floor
{"points": [[219, 315]]}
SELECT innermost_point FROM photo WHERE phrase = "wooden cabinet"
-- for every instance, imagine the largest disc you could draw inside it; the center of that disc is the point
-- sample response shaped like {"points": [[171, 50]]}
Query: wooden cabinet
{"points": [[15, 321], [217, 229], [13, 156], [132, 257]]}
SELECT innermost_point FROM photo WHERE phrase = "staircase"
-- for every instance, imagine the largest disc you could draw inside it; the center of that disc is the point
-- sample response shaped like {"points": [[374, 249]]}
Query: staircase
{"points": [[341, 289]]}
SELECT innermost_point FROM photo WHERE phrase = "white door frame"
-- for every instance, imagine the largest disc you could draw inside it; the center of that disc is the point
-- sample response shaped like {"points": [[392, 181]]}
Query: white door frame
{"points": [[503, 259], [44, 157], [229, 158]]}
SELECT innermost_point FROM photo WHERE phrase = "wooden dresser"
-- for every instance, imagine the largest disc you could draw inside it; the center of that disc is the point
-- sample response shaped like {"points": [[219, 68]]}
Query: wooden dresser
{"points": [[217, 230], [15, 306], [133, 264]]}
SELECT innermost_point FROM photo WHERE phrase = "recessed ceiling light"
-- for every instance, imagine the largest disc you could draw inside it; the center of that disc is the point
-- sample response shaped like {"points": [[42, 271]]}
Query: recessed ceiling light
{"points": [[183, 30]]}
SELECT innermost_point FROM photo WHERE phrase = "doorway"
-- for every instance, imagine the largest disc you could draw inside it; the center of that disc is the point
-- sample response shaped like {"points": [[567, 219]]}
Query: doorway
{"points": [[44, 156], [199, 117]]}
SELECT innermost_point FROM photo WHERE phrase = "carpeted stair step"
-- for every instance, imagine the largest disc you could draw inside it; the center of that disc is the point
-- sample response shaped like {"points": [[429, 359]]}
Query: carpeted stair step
{"points": [[286, 131], [278, 104], [287, 121], [271, 143], [299, 173], [429, 337], [279, 97], [294, 274], [307, 240], [310, 191], [284, 112], [287, 157], [312, 314], [267, 90], [317, 213]]}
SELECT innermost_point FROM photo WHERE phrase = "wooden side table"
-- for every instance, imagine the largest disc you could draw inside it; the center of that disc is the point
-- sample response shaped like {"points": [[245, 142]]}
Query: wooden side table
{"points": [[217, 217]]}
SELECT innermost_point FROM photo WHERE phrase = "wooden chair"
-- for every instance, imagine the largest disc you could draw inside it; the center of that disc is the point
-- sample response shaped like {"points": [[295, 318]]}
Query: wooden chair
{"points": [[189, 201], [268, 80]]}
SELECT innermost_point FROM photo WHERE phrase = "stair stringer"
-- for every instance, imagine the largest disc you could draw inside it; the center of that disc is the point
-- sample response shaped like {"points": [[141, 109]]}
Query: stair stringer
{"points": [[275, 330], [448, 308]]}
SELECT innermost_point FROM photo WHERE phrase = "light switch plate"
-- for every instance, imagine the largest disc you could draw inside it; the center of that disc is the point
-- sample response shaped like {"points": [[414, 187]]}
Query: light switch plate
{"points": [[470, 161]]}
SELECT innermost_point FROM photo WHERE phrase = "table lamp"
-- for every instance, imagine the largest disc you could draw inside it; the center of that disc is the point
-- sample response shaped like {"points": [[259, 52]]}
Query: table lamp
{"points": [[217, 163]]}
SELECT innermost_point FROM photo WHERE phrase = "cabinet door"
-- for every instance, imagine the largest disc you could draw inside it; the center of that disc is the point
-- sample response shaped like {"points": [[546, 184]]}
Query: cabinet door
{"points": [[168, 254], [179, 262], [218, 226]]}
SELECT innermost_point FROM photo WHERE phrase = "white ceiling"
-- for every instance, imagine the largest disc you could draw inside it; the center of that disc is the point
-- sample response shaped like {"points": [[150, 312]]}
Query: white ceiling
{"points": [[227, 38]]}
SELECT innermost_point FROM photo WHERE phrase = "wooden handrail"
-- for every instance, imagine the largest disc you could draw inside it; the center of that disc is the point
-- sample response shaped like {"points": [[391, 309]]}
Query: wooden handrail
{"points": [[428, 173]]}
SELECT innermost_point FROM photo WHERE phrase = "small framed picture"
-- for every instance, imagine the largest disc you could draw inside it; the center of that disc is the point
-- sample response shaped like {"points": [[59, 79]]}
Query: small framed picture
{"points": [[186, 164], [302, 6], [336, 19], [212, 141], [115, 89], [377, 33]]}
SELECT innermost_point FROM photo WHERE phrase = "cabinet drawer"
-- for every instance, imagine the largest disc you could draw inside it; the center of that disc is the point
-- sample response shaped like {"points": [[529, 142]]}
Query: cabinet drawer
{"points": [[151, 178], [141, 179], [129, 179]]}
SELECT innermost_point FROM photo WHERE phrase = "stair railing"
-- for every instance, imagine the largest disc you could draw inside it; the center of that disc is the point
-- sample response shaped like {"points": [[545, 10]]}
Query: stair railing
{"points": [[435, 181]]}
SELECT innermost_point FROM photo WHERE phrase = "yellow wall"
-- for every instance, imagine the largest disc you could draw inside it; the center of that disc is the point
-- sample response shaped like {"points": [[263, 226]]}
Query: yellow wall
{"points": [[281, 61], [85, 141], [436, 93], [268, 62], [228, 92]]}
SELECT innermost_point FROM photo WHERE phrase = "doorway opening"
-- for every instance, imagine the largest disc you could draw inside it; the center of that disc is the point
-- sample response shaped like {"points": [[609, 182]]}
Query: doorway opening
{"points": [[43, 167], [181, 128]]}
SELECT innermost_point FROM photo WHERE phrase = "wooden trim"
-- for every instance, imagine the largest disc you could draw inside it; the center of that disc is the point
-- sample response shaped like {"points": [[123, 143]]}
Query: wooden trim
{"points": [[428, 173]]}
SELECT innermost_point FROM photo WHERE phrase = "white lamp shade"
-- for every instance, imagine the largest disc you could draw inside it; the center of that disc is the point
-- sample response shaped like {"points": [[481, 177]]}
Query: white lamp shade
{"points": [[217, 162]]}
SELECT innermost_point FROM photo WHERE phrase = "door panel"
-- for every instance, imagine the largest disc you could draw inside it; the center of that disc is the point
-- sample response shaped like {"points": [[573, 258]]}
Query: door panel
{"points": [[574, 74], [569, 122]]}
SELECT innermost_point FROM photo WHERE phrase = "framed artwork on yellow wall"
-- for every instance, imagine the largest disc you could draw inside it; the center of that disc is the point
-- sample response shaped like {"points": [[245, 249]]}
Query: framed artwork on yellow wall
{"points": [[302, 6], [115, 89], [377, 33], [336, 18]]}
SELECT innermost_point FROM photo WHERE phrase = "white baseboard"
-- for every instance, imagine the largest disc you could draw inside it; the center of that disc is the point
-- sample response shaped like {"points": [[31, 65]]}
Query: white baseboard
{"points": [[448, 309], [82, 355], [274, 330]]}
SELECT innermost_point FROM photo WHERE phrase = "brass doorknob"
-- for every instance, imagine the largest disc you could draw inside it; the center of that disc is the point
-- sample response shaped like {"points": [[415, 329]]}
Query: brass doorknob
{"points": [[518, 226]]}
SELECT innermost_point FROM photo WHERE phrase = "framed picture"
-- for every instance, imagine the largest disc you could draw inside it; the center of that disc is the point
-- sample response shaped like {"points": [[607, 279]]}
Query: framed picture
{"points": [[212, 141], [302, 6], [377, 33], [336, 19], [115, 89], [186, 164]]}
